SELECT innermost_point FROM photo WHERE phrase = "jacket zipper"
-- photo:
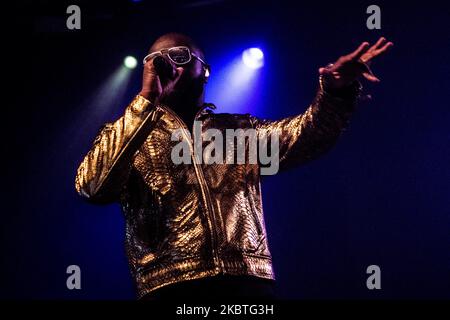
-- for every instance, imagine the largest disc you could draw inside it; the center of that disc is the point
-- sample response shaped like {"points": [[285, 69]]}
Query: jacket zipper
{"points": [[204, 189]]}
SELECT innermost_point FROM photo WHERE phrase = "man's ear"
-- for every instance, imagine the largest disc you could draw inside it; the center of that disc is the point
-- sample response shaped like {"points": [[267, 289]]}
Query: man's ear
{"points": [[207, 71]]}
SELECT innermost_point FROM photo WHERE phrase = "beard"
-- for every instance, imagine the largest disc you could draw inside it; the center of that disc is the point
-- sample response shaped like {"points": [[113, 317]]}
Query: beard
{"points": [[187, 92]]}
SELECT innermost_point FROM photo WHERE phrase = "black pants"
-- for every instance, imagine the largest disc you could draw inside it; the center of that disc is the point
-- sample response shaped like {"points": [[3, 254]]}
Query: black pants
{"points": [[216, 288]]}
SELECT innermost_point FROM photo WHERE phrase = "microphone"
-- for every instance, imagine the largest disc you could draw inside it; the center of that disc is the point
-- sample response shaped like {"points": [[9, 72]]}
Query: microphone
{"points": [[164, 68]]}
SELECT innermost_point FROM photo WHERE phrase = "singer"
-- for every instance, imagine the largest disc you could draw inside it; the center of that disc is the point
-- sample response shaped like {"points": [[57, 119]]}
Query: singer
{"points": [[197, 230]]}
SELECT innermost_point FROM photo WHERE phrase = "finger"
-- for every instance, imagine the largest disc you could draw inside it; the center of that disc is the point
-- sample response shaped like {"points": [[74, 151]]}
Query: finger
{"points": [[149, 60], [179, 72], [380, 51], [384, 49], [324, 71], [355, 55], [379, 43], [371, 77], [365, 68], [149, 66], [169, 84]]}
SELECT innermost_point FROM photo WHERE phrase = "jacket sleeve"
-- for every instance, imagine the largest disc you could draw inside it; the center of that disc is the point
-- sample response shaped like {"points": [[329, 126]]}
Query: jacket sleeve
{"points": [[309, 135], [106, 167]]}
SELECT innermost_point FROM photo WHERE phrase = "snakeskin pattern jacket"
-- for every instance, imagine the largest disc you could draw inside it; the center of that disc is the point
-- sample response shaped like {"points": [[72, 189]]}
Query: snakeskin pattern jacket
{"points": [[190, 221]]}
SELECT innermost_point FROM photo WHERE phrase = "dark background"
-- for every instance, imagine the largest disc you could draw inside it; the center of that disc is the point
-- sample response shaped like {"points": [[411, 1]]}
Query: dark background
{"points": [[381, 196]]}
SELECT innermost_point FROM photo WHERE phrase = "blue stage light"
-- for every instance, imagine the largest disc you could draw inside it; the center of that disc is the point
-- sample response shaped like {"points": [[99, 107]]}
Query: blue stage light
{"points": [[236, 85], [253, 58]]}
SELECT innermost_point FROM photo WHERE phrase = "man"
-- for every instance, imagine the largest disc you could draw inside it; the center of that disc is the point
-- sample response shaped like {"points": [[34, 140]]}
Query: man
{"points": [[195, 229]]}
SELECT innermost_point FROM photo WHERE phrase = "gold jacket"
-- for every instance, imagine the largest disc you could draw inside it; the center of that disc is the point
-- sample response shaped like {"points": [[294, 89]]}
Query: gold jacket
{"points": [[190, 221]]}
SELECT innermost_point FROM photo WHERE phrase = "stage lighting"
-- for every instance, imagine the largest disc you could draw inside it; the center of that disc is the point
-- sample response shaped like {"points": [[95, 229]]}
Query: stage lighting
{"points": [[236, 85], [130, 62], [253, 58]]}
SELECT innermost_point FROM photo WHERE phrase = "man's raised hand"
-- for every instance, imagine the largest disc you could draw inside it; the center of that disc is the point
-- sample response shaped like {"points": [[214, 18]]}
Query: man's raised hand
{"points": [[350, 67]]}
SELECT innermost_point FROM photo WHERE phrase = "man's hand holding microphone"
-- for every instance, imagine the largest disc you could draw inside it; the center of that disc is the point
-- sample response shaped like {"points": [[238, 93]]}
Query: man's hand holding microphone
{"points": [[159, 78]]}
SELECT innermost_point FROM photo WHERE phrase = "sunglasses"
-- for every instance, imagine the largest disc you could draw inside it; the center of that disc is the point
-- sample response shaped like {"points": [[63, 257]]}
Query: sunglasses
{"points": [[178, 55]]}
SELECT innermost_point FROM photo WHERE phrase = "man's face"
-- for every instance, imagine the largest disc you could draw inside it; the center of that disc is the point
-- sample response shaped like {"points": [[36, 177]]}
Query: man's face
{"points": [[191, 83]]}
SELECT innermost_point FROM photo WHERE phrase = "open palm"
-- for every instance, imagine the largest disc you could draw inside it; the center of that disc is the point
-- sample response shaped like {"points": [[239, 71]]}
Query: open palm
{"points": [[350, 67]]}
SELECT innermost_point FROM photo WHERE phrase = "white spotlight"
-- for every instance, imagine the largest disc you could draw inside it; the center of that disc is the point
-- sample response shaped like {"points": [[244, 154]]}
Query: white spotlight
{"points": [[130, 62], [253, 58]]}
